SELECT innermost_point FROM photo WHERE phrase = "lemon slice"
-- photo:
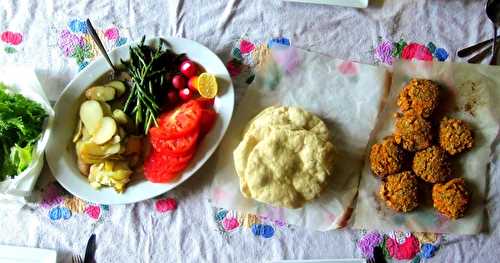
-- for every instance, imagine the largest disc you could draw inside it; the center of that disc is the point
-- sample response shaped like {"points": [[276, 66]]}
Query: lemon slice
{"points": [[207, 85]]}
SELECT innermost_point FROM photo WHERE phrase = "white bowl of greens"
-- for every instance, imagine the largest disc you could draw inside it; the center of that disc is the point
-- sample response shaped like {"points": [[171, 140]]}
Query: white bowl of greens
{"points": [[25, 127]]}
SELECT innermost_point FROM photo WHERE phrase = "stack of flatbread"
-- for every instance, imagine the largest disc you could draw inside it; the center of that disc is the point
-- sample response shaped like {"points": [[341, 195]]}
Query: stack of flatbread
{"points": [[285, 157]]}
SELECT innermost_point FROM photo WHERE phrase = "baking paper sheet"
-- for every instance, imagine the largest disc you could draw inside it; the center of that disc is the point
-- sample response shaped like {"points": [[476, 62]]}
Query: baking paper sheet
{"points": [[346, 95], [471, 93]]}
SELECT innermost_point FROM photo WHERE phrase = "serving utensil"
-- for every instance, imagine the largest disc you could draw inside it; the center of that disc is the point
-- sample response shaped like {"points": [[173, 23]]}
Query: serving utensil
{"points": [[99, 44], [76, 259], [493, 13], [465, 52], [89, 250]]}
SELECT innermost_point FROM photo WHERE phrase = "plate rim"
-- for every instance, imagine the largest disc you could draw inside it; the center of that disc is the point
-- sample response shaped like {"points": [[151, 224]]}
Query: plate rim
{"points": [[201, 162]]}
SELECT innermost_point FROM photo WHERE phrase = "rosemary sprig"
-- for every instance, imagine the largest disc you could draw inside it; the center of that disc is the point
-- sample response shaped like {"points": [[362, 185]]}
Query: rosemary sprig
{"points": [[148, 68]]}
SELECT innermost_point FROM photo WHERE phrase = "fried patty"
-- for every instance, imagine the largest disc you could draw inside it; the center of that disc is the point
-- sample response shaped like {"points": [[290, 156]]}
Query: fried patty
{"points": [[432, 165], [455, 136], [452, 198], [420, 96], [400, 191], [386, 157], [413, 132]]}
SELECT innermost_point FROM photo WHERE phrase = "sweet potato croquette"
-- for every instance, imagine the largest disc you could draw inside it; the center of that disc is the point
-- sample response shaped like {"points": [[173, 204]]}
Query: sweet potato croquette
{"points": [[432, 165], [452, 198], [413, 132], [400, 191], [386, 157], [420, 96], [455, 136]]}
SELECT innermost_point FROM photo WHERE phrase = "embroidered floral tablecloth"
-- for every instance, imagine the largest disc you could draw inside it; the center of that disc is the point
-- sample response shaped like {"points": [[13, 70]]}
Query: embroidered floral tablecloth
{"points": [[182, 225]]}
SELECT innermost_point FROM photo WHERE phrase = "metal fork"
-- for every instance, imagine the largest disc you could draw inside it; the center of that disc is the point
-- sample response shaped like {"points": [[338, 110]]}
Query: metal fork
{"points": [[77, 259]]}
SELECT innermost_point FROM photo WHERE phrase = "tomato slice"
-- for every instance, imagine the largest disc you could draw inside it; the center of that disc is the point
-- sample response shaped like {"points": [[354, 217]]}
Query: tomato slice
{"points": [[163, 168], [178, 146], [208, 118], [182, 120]]}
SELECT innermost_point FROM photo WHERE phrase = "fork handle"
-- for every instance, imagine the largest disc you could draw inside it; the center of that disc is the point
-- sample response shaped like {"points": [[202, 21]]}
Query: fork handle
{"points": [[470, 50], [99, 44]]}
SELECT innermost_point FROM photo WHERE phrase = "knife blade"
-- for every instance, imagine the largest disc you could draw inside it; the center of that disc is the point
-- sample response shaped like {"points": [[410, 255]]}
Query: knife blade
{"points": [[90, 250]]}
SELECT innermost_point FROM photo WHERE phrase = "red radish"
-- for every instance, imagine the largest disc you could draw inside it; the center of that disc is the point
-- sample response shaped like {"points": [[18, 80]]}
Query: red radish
{"points": [[186, 94], [193, 83], [172, 97], [188, 68], [179, 82]]}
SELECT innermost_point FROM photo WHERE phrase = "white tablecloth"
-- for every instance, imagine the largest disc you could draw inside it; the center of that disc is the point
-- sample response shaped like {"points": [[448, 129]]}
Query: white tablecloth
{"points": [[142, 233]]}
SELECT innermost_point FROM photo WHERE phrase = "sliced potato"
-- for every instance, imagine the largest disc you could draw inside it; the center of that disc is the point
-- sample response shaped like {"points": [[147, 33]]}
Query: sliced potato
{"points": [[106, 131], [91, 115], [83, 167], [120, 117], [106, 108], [78, 131], [116, 139], [100, 93], [102, 151], [119, 86]]}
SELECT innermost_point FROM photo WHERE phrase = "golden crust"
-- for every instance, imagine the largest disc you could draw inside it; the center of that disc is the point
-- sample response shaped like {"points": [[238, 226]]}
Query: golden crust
{"points": [[420, 96], [386, 157], [452, 198], [412, 132], [432, 165], [400, 191], [455, 136]]}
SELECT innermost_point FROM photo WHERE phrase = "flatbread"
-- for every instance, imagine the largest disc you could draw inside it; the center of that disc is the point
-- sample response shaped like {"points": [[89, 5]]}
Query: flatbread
{"points": [[288, 168]]}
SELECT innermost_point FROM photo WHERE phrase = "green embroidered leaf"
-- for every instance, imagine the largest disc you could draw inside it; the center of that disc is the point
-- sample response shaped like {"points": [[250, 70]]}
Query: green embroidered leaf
{"points": [[10, 50]]}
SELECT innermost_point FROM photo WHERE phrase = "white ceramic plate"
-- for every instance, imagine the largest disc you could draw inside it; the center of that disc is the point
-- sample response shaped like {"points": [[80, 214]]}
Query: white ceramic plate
{"points": [[351, 3], [10, 254], [60, 151]]}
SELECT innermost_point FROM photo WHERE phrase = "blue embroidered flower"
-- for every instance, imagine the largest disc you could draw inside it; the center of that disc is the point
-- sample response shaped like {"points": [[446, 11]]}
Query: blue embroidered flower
{"points": [[282, 41], [82, 65], [428, 250], [105, 207], [120, 41], [441, 54], [65, 212], [266, 231], [219, 216], [77, 26], [55, 213]]}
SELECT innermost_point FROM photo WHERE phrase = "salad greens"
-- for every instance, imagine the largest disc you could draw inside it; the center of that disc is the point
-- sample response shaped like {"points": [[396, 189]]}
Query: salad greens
{"points": [[21, 122], [150, 69]]}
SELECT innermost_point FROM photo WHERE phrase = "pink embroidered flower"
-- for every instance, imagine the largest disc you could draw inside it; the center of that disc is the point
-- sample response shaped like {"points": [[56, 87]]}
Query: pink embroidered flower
{"points": [[165, 205], [383, 52], [246, 46], [368, 242], [230, 223], [112, 33], [287, 58], [94, 211], [348, 68], [12, 38], [404, 251], [417, 51], [52, 196]]}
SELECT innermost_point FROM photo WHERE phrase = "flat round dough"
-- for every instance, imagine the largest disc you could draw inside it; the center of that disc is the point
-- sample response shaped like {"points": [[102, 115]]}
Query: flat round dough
{"points": [[288, 168], [291, 118]]}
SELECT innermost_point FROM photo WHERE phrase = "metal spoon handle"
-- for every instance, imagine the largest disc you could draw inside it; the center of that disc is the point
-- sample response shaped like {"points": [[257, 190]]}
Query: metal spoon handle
{"points": [[493, 59], [480, 56], [99, 44], [469, 50]]}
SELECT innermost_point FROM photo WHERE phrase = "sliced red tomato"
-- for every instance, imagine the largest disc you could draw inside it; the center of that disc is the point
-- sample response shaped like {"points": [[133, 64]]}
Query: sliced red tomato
{"points": [[208, 118], [182, 120], [163, 168], [206, 103], [179, 146]]}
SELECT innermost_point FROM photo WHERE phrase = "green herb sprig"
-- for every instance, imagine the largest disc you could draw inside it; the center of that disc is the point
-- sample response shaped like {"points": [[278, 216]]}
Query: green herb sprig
{"points": [[150, 69]]}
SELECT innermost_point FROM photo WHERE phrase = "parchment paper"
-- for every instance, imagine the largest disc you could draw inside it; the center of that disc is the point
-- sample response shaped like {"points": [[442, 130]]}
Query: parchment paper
{"points": [[344, 94], [471, 93]]}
